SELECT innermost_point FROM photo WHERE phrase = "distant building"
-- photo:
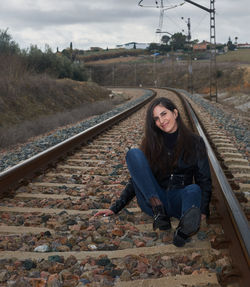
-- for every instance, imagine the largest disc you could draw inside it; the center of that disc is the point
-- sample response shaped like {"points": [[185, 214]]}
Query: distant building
{"points": [[133, 45], [243, 46], [203, 46]]}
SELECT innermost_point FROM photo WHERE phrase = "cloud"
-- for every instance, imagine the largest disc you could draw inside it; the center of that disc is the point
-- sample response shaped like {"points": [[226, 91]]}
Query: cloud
{"points": [[111, 22]]}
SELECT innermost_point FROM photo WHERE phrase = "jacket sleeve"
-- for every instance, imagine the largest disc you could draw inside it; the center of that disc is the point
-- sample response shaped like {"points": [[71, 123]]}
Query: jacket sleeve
{"points": [[203, 177], [126, 196]]}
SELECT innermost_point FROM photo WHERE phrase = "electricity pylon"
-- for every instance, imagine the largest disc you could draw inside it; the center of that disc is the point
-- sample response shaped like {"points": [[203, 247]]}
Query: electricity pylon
{"points": [[213, 68]]}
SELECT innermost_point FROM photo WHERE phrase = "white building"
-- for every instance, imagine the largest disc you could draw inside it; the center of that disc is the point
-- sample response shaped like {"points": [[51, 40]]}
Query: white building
{"points": [[243, 46]]}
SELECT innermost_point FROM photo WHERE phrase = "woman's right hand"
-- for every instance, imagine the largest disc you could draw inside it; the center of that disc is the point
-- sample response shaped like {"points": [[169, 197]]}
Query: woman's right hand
{"points": [[105, 212]]}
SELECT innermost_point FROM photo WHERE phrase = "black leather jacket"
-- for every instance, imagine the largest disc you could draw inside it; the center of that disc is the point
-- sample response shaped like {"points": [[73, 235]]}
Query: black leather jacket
{"points": [[196, 171]]}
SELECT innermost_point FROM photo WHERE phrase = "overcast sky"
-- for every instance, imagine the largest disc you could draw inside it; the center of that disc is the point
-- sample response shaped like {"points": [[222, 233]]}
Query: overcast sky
{"points": [[106, 23]]}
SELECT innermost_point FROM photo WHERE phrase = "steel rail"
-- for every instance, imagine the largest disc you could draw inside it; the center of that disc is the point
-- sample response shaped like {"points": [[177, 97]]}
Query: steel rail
{"points": [[234, 218], [237, 213], [21, 173]]}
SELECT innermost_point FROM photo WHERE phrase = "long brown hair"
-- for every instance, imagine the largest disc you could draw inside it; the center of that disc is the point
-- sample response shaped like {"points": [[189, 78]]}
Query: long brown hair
{"points": [[153, 144]]}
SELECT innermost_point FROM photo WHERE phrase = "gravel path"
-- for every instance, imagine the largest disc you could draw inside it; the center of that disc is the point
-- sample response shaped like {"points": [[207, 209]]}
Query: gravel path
{"points": [[25, 151]]}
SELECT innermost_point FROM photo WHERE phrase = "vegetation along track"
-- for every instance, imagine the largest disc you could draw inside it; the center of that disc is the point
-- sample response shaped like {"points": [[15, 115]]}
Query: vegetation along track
{"points": [[49, 237]]}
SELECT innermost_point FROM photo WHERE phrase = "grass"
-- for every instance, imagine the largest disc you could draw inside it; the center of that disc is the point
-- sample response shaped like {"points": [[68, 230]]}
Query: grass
{"points": [[31, 97], [23, 131], [241, 55], [167, 74]]}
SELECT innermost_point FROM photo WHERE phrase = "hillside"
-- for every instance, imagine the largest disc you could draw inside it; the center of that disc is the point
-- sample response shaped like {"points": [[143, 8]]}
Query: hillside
{"points": [[233, 74], [43, 96], [32, 104]]}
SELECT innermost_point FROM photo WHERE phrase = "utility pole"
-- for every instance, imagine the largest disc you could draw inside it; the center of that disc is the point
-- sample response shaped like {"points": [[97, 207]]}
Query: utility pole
{"points": [[213, 69], [90, 74], [190, 66], [190, 54], [135, 74], [113, 75], [172, 65], [154, 71]]}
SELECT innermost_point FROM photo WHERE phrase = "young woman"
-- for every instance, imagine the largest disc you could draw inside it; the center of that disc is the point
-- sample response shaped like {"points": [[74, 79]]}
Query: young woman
{"points": [[170, 174]]}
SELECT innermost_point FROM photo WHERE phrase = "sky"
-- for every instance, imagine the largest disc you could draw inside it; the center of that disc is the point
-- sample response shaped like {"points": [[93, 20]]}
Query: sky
{"points": [[107, 23]]}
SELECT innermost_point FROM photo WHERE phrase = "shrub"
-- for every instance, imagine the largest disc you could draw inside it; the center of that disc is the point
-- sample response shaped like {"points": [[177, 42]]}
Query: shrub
{"points": [[7, 45]]}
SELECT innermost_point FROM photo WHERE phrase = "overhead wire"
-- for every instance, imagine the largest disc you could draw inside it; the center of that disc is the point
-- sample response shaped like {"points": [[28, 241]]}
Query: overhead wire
{"points": [[179, 27], [205, 15], [157, 5], [172, 19]]}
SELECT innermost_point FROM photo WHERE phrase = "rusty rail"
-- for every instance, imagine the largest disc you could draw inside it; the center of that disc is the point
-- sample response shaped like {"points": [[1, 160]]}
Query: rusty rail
{"points": [[234, 221]]}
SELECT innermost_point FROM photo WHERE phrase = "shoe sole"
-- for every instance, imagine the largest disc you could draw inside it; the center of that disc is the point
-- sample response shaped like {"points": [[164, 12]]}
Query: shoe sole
{"points": [[165, 224], [190, 221], [165, 227]]}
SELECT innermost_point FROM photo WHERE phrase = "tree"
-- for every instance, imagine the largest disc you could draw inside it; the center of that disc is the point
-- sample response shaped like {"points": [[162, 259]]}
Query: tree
{"points": [[165, 39], [164, 48], [153, 47], [178, 41], [230, 45], [7, 45], [35, 60], [195, 41], [66, 53]]}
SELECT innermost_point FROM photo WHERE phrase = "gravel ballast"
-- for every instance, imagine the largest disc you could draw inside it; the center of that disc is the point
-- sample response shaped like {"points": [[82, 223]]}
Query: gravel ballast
{"points": [[230, 120]]}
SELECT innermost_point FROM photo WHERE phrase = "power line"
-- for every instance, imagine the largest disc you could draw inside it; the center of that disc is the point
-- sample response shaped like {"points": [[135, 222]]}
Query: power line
{"points": [[163, 7], [141, 4], [211, 11]]}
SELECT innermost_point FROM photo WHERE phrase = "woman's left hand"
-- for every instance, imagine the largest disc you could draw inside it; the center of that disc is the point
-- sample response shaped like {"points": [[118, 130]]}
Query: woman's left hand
{"points": [[105, 212]]}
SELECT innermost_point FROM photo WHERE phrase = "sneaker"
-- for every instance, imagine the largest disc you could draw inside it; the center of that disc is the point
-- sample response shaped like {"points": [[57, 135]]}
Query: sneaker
{"points": [[161, 219], [189, 224]]}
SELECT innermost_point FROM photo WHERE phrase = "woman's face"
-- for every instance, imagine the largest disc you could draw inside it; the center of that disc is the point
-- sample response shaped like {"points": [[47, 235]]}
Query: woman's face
{"points": [[165, 119]]}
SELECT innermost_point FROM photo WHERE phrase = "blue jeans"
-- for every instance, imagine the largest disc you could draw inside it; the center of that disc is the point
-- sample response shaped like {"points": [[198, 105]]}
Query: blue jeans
{"points": [[175, 201]]}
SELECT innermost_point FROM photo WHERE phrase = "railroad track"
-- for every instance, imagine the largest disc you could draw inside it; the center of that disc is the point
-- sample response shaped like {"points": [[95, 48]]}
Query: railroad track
{"points": [[49, 236]]}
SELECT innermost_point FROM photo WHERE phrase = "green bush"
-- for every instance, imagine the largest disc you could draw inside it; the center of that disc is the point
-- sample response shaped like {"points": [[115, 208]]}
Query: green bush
{"points": [[7, 45], [39, 62], [57, 65]]}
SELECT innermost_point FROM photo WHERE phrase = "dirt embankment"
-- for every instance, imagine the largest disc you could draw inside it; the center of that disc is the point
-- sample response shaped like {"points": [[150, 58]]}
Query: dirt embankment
{"points": [[238, 96], [46, 96]]}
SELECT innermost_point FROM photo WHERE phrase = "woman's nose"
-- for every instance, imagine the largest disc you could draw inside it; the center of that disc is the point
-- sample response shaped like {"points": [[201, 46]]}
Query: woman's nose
{"points": [[161, 119]]}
